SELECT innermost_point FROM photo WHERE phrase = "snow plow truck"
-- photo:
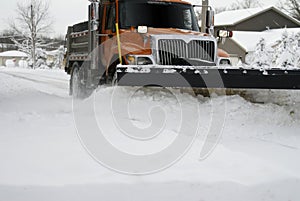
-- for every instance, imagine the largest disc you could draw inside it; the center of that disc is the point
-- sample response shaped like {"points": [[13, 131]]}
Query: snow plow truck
{"points": [[158, 43]]}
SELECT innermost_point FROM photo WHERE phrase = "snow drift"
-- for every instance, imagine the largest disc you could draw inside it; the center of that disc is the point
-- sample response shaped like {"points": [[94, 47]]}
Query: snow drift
{"points": [[256, 158]]}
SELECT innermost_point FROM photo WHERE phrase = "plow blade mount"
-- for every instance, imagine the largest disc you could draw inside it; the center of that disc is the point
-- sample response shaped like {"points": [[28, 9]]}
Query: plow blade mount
{"points": [[207, 77]]}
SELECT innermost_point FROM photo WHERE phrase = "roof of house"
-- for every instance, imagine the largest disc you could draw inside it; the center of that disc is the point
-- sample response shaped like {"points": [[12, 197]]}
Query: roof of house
{"points": [[248, 39], [13, 53], [233, 17]]}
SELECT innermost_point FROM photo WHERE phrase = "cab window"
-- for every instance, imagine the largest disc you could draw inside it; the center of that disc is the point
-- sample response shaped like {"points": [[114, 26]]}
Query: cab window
{"points": [[110, 16]]}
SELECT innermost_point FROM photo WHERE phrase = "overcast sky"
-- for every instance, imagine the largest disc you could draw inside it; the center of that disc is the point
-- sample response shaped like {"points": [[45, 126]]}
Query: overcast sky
{"points": [[67, 12]]}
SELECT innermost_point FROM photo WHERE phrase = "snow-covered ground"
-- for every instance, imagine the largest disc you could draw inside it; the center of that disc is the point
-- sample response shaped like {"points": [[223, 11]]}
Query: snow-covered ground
{"points": [[257, 157]]}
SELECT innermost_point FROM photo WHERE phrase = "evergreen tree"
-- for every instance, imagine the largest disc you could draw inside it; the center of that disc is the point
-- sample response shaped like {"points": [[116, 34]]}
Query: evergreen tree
{"points": [[284, 52], [262, 56], [59, 57], [297, 50]]}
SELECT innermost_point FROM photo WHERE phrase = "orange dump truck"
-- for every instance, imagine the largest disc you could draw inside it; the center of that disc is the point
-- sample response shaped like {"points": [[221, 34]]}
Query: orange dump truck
{"points": [[155, 42]]}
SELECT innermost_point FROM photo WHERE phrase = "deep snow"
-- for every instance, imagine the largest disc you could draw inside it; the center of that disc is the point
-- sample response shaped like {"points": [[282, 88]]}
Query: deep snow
{"points": [[257, 157]]}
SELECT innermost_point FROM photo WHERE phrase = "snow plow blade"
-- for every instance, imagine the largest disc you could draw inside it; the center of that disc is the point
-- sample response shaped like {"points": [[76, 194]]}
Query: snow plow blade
{"points": [[208, 77]]}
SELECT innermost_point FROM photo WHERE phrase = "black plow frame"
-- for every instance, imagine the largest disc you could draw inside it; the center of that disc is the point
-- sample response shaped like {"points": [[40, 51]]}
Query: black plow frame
{"points": [[208, 77]]}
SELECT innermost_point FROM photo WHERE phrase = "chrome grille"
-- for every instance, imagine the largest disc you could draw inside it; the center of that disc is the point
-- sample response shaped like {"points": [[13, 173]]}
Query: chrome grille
{"points": [[171, 49]]}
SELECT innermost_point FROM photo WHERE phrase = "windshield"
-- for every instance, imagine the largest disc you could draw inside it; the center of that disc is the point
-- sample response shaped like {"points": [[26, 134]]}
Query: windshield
{"points": [[157, 15]]}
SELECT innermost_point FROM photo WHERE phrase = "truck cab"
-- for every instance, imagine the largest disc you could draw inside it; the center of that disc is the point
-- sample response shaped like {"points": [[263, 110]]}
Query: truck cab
{"points": [[138, 33]]}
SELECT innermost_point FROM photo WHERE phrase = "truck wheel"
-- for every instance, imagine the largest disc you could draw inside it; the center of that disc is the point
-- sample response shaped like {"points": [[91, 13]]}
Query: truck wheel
{"points": [[114, 80], [76, 87], [112, 74]]}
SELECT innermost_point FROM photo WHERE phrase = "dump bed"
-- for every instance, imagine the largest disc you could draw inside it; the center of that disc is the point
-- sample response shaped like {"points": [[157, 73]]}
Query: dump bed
{"points": [[77, 43]]}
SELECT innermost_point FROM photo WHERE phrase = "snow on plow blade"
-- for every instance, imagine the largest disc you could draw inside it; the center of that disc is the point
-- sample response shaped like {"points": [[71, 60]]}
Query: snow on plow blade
{"points": [[207, 77]]}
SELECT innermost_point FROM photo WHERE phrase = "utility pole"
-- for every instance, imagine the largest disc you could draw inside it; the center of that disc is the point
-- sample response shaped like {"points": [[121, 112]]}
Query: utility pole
{"points": [[205, 4], [33, 35]]}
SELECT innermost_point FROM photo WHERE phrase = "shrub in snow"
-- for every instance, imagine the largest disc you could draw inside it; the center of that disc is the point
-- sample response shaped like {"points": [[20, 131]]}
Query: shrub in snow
{"points": [[25, 46], [59, 57], [262, 57], [240, 62], [23, 64], [297, 50], [40, 63], [10, 63], [284, 53], [41, 58]]}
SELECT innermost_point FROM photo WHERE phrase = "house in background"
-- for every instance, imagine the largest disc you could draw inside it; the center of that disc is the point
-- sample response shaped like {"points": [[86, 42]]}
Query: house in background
{"points": [[256, 21], [243, 43], [12, 58], [6, 44]]}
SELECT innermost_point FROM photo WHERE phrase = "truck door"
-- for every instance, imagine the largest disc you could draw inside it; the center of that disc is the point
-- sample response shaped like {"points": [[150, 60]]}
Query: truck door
{"points": [[108, 32]]}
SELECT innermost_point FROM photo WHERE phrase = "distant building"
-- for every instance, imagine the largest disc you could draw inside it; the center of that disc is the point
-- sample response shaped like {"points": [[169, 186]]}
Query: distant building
{"points": [[249, 25], [49, 44], [254, 19], [12, 58], [6, 44]]}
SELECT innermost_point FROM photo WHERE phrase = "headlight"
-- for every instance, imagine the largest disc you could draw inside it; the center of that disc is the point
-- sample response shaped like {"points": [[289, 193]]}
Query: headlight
{"points": [[138, 60], [144, 61], [131, 59]]}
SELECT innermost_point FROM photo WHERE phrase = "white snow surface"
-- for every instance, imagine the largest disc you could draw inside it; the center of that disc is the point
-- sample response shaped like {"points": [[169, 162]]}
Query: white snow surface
{"points": [[13, 53], [232, 17], [257, 157]]}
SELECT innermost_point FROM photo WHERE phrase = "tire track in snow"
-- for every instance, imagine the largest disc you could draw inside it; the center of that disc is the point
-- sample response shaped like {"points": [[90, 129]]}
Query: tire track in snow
{"points": [[48, 80], [44, 84]]}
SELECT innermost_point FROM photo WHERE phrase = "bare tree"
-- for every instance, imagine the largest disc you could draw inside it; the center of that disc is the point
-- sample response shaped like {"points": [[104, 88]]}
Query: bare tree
{"points": [[242, 4], [31, 23], [247, 4], [292, 7], [221, 9]]}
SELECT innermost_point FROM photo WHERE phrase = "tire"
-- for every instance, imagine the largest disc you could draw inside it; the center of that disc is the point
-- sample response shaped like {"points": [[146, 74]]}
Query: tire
{"points": [[77, 89], [114, 80], [112, 77]]}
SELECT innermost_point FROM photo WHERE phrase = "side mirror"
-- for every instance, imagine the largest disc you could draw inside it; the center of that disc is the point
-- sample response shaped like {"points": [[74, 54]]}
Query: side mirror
{"points": [[224, 34], [210, 18], [210, 21], [94, 16]]}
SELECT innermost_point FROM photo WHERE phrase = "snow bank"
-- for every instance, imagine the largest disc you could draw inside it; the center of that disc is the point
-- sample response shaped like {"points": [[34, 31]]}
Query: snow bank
{"points": [[10, 63], [256, 158], [23, 64]]}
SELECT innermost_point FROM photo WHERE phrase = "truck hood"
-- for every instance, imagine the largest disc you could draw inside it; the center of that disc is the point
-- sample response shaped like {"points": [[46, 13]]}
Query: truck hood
{"points": [[173, 31], [168, 31]]}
